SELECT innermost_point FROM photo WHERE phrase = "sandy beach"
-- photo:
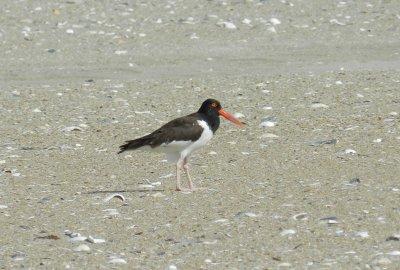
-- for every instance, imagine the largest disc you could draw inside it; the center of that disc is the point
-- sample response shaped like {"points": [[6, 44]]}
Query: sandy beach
{"points": [[311, 182]]}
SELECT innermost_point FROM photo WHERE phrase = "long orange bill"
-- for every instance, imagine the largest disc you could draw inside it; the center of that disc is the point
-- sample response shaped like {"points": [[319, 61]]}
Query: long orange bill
{"points": [[230, 117]]}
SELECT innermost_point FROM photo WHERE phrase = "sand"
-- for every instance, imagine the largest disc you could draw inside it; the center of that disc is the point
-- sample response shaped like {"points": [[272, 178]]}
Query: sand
{"points": [[312, 181]]}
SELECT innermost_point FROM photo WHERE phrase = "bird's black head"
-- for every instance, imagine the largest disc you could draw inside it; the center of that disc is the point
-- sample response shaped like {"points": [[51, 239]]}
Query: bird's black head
{"points": [[210, 107]]}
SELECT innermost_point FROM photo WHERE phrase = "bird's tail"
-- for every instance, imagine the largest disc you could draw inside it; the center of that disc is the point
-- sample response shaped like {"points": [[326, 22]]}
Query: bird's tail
{"points": [[135, 144]]}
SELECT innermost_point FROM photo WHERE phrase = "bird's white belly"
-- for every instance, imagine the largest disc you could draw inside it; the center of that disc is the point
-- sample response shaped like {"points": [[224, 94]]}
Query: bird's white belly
{"points": [[176, 150]]}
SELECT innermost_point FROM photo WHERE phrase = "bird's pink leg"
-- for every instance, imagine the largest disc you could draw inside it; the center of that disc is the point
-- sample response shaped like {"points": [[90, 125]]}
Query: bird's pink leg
{"points": [[178, 175], [186, 168]]}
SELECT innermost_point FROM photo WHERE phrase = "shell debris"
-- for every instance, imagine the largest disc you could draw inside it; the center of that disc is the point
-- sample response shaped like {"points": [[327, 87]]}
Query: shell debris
{"points": [[115, 195]]}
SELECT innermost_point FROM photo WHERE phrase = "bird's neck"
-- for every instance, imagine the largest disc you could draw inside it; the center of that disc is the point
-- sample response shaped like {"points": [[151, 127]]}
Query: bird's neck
{"points": [[212, 120]]}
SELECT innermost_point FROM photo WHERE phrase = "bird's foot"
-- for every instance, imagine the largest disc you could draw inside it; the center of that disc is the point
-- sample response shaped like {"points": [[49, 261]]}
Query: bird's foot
{"points": [[182, 189]]}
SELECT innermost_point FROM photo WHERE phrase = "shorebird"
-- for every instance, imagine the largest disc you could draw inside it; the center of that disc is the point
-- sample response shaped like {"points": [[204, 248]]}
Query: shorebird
{"points": [[180, 137]]}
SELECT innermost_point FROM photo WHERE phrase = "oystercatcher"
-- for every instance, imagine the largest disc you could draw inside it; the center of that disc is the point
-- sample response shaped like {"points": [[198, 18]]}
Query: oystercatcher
{"points": [[180, 137]]}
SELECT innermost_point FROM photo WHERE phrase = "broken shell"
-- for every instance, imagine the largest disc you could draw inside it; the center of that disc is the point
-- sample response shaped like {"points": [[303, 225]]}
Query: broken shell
{"points": [[117, 261], [288, 232], [115, 195], [92, 240], [301, 216], [72, 128], [82, 247]]}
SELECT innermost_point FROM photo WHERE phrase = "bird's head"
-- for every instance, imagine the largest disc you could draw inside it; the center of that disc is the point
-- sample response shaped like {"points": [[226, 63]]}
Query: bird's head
{"points": [[212, 107]]}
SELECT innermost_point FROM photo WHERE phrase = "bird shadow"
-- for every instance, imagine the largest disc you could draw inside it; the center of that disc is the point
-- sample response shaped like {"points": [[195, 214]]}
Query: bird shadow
{"points": [[137, 190]]}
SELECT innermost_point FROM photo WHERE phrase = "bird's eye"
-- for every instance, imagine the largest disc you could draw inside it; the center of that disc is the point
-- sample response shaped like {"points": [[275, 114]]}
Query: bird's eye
{"points": [[214, 104]]}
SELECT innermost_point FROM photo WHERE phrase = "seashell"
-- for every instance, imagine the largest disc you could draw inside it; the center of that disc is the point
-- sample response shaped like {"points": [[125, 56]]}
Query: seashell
{"points": [[92, 240], [274, 21], [301, 216], [238, 115], [82, 247], [319, 105], [146, 186], [362, 234], [72, 128], [246, 21], [115, 195], [227, 25], [288, 232], [394, 253], [350, 152], [117, 261]]}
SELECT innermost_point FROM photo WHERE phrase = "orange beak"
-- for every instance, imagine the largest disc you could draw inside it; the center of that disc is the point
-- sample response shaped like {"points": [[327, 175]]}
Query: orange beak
{"points": [[230, 117]]}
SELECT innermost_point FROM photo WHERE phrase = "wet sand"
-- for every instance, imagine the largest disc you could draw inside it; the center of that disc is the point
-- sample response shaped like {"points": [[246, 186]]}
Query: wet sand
{"points": [[312, 182]]}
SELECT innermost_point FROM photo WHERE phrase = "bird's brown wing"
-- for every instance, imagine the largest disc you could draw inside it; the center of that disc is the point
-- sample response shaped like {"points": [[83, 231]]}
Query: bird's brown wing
{"points": [[180, 129]]}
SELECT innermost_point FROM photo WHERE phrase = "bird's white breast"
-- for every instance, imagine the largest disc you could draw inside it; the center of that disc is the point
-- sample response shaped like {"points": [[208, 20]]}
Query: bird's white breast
{"points": [[181, 149]]}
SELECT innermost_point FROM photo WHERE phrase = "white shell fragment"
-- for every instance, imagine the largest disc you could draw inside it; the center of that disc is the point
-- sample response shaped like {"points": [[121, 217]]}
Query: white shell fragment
{"points": [[92, 240], [82, 247], [267, 124], [117, 261], [319, 105], [350, 152], [271, 29], [334, 21], [363, 234], [227, 25], [72, 128], [75, 237], [301, 216], [274, 21], [288, 232], [268, 136], [171, 267], [250, 214], [115, 195], [246, 21], [394, 253], [238, 115]]}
